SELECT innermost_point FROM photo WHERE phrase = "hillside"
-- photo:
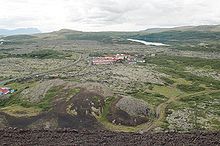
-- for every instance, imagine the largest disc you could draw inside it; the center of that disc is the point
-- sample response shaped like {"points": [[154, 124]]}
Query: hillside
{"points": [[167, 35], [192, 38], [7, 32], [209, 28]]}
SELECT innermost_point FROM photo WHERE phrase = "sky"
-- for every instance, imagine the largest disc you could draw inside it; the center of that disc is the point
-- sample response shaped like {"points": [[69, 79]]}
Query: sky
{"points": [[107, 15]]}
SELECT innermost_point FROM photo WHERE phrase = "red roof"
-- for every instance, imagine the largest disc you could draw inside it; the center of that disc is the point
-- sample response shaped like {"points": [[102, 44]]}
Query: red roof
{"points": [[4, 90]]}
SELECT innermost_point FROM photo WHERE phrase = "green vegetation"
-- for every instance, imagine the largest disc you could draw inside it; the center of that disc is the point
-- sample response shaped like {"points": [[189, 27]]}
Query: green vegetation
{"points": [[168, 81], [15, 100], [90, 36], [179, 36], [44, 105], [106, 108], [20, 111], [96, 99], [205, 102], [176, 67], [204, 107], [103, 119], [183, 90], [208, 81], [181, 81], [2, 56], [207, 41], [179, 62], [190, 88], [70, 93], [168, 91], [56, 92], [210, 46], [185, 40], [154, 99], [19, 37], [45, 54], [96, 54], [42, 54], [19, 40]]}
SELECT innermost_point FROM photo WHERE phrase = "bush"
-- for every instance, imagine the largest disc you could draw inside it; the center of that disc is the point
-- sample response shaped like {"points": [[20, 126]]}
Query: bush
{"points": [[168, 81], [41, 54]]}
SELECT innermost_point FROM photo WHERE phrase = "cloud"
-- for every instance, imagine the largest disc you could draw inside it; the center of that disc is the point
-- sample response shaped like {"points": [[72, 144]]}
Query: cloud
{"points": [[98, 15]]}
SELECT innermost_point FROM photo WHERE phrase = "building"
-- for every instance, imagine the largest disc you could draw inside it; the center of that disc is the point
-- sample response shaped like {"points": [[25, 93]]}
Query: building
{"points": [[122, 56], [153, 55], [4, 91], [104, 60], [141, 61], [109, 59]]}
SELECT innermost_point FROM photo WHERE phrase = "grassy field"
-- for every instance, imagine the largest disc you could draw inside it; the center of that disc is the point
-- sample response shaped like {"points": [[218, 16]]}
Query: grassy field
{"points": [[20, 111], [153, 99], [175, 67]]}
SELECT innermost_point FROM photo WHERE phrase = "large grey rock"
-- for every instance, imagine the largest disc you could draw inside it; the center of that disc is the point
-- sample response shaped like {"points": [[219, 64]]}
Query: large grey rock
{"points": [[133, 106]]}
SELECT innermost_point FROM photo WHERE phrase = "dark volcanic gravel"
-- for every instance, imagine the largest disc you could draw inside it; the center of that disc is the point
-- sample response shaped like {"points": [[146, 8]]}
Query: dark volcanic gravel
{"points": [[13, 136]]}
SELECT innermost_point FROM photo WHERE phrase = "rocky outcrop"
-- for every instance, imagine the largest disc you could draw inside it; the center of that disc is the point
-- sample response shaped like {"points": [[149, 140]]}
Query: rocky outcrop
{"points": [[133, 106], [129, 111]]}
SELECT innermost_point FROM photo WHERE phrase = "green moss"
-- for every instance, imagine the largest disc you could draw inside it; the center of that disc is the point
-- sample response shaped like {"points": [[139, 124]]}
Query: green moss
{"points": [[176, 67], [20, 111], [205, 106], [45, 104], [164, 125], [106, 108], [215, 124], [168, 81], [96, 99], [154, 99], [190, 88], [71, 92], [168, 91]]}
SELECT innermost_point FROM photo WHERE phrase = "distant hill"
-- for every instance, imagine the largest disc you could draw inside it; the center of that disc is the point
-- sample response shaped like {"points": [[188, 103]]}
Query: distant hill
{"points": [[208, 28], [189, 34], [107, 36], [19, 31]]}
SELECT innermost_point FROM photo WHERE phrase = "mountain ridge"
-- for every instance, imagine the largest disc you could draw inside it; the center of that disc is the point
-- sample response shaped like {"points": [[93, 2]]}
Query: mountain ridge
{"points": [[18, 31], [211, 28]]}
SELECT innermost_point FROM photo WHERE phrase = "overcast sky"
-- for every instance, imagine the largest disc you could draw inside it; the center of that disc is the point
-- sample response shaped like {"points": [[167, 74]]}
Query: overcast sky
{"points": [[105, 15]]}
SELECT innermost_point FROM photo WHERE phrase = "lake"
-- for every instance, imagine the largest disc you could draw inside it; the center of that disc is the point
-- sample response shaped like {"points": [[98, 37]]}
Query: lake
{"points": [[148, 43]]}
